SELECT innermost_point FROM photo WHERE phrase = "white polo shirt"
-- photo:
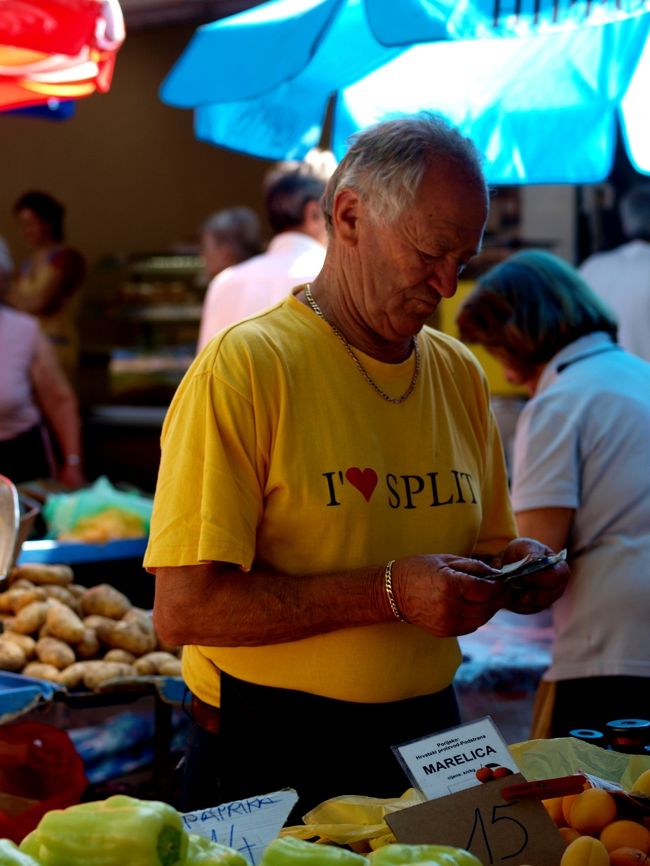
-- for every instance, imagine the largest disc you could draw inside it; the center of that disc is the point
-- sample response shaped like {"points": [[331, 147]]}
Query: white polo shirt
{"points": [[621, 278], [583, 442]]}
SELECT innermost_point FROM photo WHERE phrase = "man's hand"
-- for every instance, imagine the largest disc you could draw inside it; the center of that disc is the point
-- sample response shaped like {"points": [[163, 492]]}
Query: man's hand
{"points": [[531, 593], [447, 595]]}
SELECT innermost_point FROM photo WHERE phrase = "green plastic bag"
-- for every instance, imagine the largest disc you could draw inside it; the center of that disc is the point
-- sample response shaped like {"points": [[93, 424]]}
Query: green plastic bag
{"points": [[96, 511]]}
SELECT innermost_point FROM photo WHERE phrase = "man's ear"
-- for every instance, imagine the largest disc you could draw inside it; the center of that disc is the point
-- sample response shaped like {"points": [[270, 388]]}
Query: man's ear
{"points": [[345, 216]]}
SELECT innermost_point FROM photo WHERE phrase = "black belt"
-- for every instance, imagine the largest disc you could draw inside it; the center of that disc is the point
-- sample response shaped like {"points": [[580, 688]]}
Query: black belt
{"points": [[205, 715]]}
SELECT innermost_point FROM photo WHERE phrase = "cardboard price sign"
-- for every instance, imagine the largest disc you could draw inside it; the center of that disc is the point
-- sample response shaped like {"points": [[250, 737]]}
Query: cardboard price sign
{"points": [[479, 820]]}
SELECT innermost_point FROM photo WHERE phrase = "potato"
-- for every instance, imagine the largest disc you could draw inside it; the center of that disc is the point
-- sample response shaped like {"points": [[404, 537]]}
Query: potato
{"points": [[62, 622], [31, 617], [22, 583], [63, 594], [104, 600], [12, 657], [27, 596], [24, 641], [150, 662], [73, 675], [171, 668], [119, 655], [88, 646], [52, 651], [105, 671], [40, 574], [136, 613], [135, 637], [77, 589], [9, 598], [95, 621], [42, 672]]}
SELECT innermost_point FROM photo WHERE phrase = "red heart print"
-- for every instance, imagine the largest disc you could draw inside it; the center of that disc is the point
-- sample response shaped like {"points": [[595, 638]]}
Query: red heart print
{"points": [[365, 480]]}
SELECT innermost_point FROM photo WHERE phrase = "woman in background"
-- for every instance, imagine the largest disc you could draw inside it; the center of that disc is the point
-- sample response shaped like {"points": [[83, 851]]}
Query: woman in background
{"points": [[228, 237], [49, 282], [35, 398], [581, 469]]}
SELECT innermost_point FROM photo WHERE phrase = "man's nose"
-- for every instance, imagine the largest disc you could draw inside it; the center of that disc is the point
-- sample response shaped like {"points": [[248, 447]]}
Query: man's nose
{"points": [[444, 279]]}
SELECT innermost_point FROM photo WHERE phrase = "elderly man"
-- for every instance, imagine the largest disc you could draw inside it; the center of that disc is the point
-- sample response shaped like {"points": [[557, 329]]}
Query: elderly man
{"points": [[331, 490]]}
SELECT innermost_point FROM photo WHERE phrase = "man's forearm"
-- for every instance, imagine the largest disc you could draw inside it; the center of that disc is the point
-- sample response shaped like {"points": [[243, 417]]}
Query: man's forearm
{"points": [[220, 605]]}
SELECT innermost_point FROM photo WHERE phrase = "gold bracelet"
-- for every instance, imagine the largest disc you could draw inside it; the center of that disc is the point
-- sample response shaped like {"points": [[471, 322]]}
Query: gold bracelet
{"points": [[388, 584]]}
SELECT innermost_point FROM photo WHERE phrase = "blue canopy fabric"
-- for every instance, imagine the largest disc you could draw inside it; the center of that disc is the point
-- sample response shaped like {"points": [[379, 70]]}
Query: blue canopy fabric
{"points": [[543, 107]]}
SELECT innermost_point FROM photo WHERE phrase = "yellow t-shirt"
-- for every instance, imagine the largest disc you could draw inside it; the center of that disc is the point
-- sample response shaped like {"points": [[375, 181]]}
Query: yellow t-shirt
{"points": [[276, 450]]}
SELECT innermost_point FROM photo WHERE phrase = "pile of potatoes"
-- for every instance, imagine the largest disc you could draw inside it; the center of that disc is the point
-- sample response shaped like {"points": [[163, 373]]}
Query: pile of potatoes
{"points": [[55, 629]]}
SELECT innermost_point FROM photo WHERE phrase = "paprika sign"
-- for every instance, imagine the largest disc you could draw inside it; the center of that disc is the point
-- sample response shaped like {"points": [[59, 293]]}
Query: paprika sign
{"points": [[449, 761], [479, 820], [245, 825]]}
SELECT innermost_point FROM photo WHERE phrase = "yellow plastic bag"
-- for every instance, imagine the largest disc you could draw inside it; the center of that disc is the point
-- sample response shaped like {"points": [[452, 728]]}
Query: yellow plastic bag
{"points": [[546, 759], [349, 820]]}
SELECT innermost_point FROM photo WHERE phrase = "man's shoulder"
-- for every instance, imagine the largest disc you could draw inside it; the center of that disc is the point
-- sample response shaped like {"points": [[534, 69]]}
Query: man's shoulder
{"points": [[450, 348], [242, 272]]}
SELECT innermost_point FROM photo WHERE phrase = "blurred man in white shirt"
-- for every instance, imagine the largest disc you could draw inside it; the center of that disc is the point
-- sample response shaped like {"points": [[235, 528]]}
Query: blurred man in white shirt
{"points": [[621, 277], [294, 256]]}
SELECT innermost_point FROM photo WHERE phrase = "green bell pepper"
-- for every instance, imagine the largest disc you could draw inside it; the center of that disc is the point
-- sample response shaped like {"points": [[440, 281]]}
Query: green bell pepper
{"points": [[424, 855], [11, 855], [289, 851], [29, 845], [203, 852], [118, 831]]}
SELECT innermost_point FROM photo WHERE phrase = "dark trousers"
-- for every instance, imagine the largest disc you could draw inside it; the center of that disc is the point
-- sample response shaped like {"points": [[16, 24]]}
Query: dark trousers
{"points": [[277, 738], [594, 701]]}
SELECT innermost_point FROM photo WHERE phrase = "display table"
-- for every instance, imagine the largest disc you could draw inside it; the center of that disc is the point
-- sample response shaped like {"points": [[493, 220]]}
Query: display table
{"points": [[20, 695]]}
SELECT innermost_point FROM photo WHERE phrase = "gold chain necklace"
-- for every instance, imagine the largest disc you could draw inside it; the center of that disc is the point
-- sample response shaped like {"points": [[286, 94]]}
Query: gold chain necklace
{"points": [[314, 306]]}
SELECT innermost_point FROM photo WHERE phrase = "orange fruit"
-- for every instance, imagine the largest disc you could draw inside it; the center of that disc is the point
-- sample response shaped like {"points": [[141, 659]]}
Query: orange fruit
{"points": [[626, 834], [568, 834], [553, 806], [591, 811], [628, 857], [567, 802], [585, 851], [642, 784]]}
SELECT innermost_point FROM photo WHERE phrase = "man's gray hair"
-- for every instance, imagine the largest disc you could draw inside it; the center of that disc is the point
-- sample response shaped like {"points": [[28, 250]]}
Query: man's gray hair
{"points": [[385, 163], [635, 212]]}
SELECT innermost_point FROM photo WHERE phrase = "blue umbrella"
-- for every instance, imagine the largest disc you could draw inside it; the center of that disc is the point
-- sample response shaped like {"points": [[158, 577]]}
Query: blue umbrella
{"points": [[540, 90]]}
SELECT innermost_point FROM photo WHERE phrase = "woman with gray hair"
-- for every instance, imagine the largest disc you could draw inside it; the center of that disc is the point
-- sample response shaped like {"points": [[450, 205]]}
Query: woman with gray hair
{"points": [[228, 237], [580, 479]]}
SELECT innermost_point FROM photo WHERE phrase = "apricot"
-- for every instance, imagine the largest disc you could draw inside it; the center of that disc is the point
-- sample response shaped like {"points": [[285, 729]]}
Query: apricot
{"points": [[553, 806], [626, 834], [642, 784], [628, 857], [591, 811], [585, 851], [568, 834], [567, 802]]}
